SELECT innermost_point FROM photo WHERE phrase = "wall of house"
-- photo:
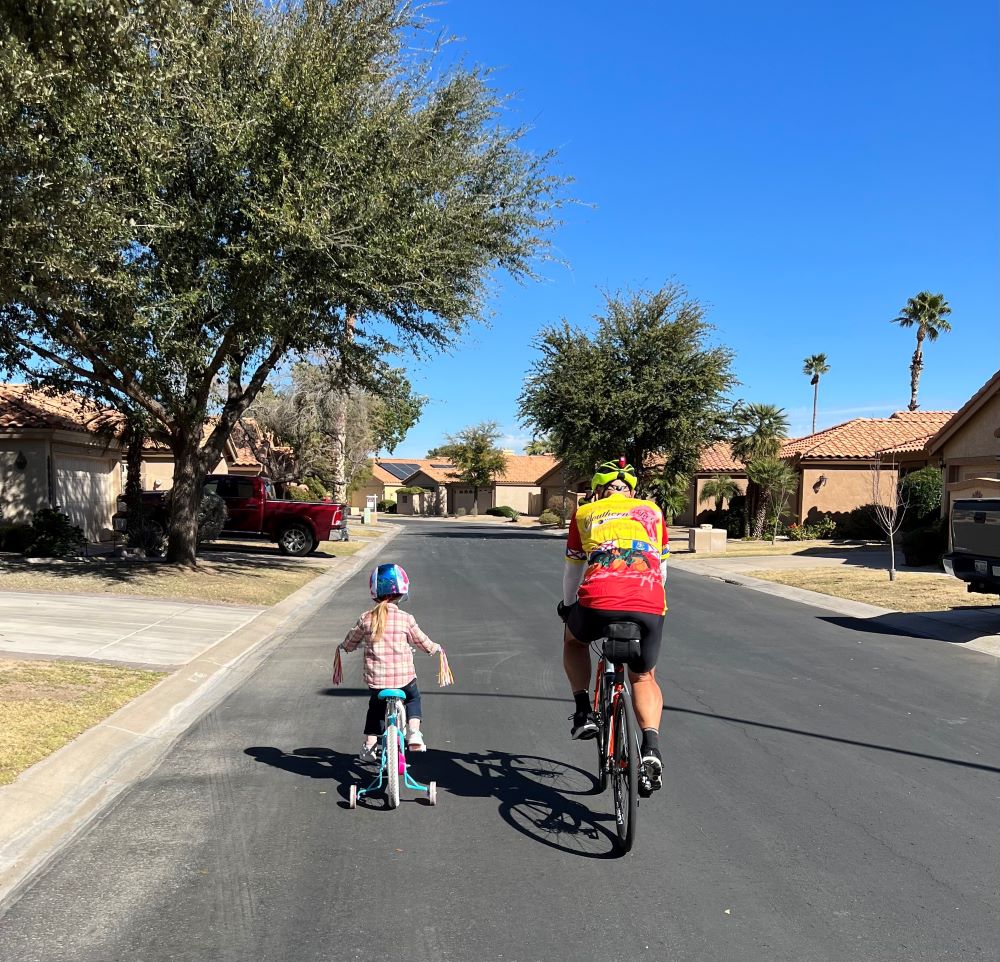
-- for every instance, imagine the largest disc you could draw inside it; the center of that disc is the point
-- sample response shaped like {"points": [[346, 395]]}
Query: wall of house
{"points": [[23, 491], [975, 440], [373, 487], [847, 487], [523, 498]]}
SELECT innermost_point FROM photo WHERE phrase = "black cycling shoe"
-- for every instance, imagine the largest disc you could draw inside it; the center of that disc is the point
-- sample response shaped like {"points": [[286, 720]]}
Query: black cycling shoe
{"points": [[584, 725], [650, 772]]}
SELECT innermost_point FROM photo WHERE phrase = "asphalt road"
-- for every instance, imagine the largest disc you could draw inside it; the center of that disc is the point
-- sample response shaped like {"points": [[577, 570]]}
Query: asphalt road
{"points": [[830, 794]]}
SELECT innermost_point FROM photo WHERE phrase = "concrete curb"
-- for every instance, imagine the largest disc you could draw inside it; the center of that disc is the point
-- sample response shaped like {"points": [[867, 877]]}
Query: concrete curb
{"points": [[52, 803], [918, 625]]}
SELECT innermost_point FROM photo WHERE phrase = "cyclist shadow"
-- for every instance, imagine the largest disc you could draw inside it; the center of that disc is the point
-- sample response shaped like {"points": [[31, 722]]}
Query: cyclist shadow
{"points": [[538, 797]]}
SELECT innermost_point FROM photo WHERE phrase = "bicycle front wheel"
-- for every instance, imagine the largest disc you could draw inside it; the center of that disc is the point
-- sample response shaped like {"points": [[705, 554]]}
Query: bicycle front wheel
{"points": [[625, 771]]}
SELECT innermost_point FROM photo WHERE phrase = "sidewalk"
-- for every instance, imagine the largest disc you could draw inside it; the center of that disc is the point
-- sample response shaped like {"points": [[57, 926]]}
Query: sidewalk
{"points": [[53, 802], [978, 630]]}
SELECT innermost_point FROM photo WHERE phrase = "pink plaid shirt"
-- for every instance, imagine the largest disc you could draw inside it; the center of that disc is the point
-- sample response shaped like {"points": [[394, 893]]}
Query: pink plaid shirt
{"points": [[389, 661]]}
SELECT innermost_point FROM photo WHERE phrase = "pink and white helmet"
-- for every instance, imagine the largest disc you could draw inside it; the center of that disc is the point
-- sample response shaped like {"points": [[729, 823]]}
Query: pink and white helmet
{"points": [[388, 580]]}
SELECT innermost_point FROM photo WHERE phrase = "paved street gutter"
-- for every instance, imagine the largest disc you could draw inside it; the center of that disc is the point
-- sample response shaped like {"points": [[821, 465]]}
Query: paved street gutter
{"points": [[53, 802]]}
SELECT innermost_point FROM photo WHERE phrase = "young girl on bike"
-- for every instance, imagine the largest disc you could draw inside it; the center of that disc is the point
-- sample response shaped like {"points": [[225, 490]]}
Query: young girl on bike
{"points": [[389, 636]]}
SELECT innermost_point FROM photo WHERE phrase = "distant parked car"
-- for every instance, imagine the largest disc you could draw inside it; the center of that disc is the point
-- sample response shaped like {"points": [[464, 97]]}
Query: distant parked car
{"points": [[254, 510]]}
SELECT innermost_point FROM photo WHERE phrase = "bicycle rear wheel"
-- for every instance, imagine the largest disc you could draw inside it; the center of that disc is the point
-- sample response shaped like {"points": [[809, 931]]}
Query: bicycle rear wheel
{"points": [[625, 771], [391, 759]]}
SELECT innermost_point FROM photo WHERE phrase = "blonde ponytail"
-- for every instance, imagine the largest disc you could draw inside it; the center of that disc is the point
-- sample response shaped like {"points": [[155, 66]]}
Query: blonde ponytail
{"points": [[376, 624]]}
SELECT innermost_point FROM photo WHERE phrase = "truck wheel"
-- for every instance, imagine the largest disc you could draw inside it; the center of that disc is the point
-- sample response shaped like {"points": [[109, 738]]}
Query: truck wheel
{"points": [[296, 540]]}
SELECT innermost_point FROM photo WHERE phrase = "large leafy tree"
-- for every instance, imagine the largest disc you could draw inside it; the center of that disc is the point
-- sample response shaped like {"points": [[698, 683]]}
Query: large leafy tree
{"points": [[646, 382], [926, 312], [193, 192], [760, 430], [476, 458], [814, 367]]}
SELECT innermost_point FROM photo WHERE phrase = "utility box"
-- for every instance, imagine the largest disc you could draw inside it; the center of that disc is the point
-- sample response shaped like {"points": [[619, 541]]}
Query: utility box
{"points": [[707, 538]]}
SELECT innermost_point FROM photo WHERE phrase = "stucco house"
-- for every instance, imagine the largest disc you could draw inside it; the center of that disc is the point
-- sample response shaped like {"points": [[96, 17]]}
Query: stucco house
{"points": [[386, 478], [835, 465], [62, 451], [715, 461]]}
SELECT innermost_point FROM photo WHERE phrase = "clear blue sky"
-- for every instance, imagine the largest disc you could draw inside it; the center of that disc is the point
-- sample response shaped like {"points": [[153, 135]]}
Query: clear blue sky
{"points": [[801, 168]]}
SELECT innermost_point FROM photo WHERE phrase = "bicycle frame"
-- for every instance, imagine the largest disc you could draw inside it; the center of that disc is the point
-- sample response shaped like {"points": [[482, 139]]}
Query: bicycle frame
{"points": [[395, 722]]}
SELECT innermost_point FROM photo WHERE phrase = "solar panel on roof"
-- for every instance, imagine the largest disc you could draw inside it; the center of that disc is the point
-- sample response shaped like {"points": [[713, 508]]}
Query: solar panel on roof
{"points": [[442, 465], [400, 471]]}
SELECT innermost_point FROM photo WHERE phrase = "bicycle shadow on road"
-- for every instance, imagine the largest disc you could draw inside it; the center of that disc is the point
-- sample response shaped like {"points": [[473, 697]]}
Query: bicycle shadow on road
{"points": [[538, 797], [316, 763]]}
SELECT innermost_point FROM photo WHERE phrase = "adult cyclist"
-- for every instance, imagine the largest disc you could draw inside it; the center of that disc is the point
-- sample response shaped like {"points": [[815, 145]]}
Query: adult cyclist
{"points": [[615, 570]]}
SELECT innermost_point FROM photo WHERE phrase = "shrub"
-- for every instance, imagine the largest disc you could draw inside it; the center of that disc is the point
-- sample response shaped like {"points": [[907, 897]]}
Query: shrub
{"points": [[503, 511], [926, 545], [825, 527], [922, 492], [409, 489], [297, 492], [152, 540], [460, 513], [562, 507], [15, 536], [316, 489], [549, 517], [388, 506], [53, 535], [799, 532], [860, 525]]}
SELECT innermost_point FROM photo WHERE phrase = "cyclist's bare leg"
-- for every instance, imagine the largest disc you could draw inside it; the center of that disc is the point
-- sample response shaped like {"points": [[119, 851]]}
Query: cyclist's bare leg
{"points": [[647, 698], [576, 661]]}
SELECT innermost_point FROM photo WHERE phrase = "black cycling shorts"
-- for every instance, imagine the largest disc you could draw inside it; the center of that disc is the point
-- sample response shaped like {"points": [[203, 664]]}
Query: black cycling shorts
{"points": [[589, 624]]}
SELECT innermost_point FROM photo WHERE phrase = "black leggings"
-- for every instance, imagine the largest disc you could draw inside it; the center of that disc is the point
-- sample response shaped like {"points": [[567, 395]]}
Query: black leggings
{"points": [[375, 721], [589, 624]]}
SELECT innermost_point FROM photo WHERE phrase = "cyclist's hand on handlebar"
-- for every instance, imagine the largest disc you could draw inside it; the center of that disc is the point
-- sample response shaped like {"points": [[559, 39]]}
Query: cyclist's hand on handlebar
{"points": [[563, 611]]}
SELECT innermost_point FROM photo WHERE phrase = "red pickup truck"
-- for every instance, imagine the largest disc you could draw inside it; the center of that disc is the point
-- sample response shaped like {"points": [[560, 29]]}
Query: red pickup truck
{"points": [[253, 509]]}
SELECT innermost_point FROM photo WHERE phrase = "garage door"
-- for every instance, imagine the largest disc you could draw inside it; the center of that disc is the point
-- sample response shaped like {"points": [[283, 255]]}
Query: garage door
{"points": [[85, 491]]}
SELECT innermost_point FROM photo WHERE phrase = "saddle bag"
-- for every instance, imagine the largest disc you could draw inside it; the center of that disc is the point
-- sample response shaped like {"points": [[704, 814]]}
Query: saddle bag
{"points": [[621, 642]]}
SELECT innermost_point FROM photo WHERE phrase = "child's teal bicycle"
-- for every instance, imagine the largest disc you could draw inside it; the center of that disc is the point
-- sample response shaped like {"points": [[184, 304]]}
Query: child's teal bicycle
{"points": [[392, 760]]}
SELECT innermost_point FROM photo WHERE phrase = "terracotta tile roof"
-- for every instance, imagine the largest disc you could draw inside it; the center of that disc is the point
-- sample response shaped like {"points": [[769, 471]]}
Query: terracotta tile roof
{"points": [[380, 474], [527, 468], [717, 458], [22, 407], [437, 469], [862, 438]]}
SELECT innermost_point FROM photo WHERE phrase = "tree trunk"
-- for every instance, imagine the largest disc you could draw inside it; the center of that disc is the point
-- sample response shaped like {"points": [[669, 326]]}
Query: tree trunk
{"points": [[916, 366], [133, 483], [760, 517], [339, 434], [475, 502], [815, 399], [892, 556], [185, 499]]}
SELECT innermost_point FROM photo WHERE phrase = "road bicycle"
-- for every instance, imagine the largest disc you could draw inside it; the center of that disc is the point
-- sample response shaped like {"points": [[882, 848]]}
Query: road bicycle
{"points": [[392, 757], [618, 752]]}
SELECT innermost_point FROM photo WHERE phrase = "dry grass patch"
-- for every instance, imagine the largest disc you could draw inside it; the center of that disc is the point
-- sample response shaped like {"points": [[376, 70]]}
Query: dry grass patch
{"points": [[911, 591], [244, 581], [44, 705]]}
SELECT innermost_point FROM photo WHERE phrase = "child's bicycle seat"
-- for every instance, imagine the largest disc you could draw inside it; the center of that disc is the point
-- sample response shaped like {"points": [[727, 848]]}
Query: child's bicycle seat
{"points": [[387, 693]]}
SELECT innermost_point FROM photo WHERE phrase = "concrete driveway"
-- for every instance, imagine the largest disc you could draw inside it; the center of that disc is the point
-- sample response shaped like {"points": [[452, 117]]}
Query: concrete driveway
{"points": [[134, 631]]}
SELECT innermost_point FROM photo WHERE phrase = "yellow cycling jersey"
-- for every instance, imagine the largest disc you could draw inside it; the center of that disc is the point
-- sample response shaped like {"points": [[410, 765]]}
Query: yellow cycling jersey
{"points": [[623, 541]]}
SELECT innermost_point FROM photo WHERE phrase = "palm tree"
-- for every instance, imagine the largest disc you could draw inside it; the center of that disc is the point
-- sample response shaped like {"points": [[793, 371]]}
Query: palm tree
{"points": [[814, 366], [777, 481], [760, 430], [719, 489], [927, 313], [670, 493]]}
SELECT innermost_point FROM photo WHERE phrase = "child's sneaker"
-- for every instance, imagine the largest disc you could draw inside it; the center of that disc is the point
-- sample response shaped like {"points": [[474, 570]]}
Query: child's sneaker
{"points": [[415, 742], [368, 754]]}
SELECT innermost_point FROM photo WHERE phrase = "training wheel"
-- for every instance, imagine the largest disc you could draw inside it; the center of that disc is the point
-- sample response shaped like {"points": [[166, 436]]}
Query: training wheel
{"points": [[352, 798], [432, 793]]}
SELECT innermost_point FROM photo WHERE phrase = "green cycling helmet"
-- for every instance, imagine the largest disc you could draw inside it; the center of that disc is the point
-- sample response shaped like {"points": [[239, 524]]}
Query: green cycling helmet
{"points": [[614, 471]]}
